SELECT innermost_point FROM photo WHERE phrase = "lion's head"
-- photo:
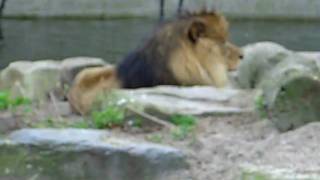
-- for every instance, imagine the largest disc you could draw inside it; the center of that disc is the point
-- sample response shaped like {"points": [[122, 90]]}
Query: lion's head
{"points": [[196, 49]]}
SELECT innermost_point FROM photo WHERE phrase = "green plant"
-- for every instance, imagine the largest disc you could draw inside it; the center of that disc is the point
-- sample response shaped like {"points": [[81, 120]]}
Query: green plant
{"points": [[183, 120], [50, 122], [185, 125], [46, 123], [181, 132], [110, 117], [137, 122], [156, 138], [260, 106], [6, 100], [81, 125]]}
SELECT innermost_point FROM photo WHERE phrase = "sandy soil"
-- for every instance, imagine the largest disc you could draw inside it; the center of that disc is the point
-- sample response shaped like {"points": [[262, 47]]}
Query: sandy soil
{"points": [[217, 148]]}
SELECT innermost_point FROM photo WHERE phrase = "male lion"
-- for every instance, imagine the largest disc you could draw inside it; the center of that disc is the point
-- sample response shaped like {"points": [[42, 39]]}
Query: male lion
{"points": [[192, 49]]}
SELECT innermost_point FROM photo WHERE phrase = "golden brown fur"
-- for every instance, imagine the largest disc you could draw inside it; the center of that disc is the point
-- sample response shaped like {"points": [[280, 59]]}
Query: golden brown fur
{"points": [[88, 84], [191, 50]]}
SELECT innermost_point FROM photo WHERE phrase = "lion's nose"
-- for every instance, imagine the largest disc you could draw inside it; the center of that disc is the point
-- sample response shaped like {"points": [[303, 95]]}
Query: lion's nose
{"points": [[241, 56]]}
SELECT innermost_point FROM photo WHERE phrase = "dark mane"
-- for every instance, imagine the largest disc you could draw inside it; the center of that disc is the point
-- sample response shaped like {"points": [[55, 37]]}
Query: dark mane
{"points": [[147, 65]]}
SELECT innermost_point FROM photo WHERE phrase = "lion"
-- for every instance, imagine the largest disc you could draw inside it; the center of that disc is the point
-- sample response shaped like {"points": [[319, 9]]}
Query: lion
{"points": [[192, 49]]}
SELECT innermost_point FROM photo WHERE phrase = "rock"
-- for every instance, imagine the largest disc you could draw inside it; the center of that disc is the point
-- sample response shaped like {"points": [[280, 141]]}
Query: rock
{"points": [[289, 83], [72, 66], [259, 59], [295, 103], [13, 74], [311, 54], [170, 100], [251, 172], [291, 91], [84, 154], [31, 79], [36, 79], [8, 122], [262, 57]]}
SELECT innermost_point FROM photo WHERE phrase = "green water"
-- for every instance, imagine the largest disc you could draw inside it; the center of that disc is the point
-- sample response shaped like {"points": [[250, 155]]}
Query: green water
{"points": [[112, 39]]}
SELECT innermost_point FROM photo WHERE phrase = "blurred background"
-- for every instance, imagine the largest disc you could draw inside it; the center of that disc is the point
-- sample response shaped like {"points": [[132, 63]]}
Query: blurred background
{"points": [[57, 29]]}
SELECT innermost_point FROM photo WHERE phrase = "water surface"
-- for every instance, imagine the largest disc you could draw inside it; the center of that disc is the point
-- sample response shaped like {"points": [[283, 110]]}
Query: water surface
{"points": [[112, 39]]}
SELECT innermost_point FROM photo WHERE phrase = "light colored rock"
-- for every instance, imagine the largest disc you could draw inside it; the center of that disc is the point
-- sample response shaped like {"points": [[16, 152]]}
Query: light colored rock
{"points": [[295, 103], [72, 66], [291, 66], [289, 82], [13, 74], [8, 123], [251, 172], [259, 59], [170, 100], [31, 79], [311, 54], [85, 154], [291, 91]]}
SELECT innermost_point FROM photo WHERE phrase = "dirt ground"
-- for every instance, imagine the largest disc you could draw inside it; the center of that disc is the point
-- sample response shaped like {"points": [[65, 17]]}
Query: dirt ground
{"points": [[217, 148]]}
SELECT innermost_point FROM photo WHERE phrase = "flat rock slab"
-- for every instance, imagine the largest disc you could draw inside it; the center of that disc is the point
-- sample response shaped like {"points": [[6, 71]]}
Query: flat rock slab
{"points": [[251, 172], [169, 100], [311, 54], [84, 154]]}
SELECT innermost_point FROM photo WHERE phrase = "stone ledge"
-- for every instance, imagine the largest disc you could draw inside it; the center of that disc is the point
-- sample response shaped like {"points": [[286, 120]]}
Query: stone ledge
{"points": [[84, 154]]}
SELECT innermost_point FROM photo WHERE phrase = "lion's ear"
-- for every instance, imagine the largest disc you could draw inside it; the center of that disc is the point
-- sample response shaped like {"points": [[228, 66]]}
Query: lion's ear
{"points": [[196, 30]]}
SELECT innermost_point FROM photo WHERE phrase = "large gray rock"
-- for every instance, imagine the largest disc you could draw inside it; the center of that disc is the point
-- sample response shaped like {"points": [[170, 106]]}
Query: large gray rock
{"points": [[31, 79], [289, 83], [310, 54], [84, 154], [8, 122], [35, 80], [291, 91], [170, 100], [259, 59], [251, 172], [262, 59], [294, 103]]}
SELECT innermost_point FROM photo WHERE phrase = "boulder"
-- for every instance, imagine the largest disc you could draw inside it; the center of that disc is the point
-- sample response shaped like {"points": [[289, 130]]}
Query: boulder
{"points": [[72, 66], [8, 122], [311, 54], [31, 79], [290, 93], [36, 79], [259, 59], [169, 100], [295, 103], [13, 74], [289, 82], [84, 154], [252, 172]]}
